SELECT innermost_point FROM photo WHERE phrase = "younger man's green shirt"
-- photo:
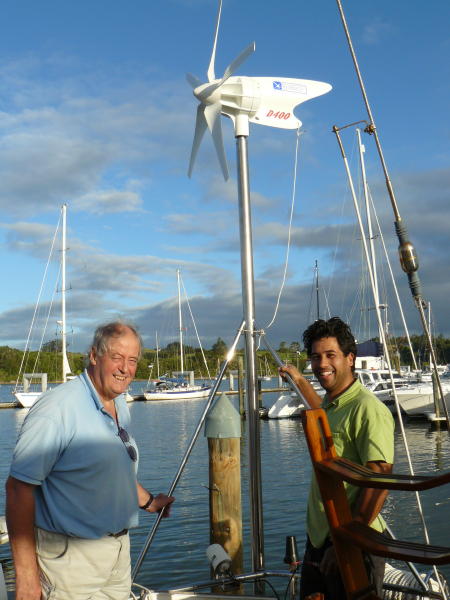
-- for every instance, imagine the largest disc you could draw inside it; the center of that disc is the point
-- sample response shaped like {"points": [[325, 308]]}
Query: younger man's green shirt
{"points": [[363, 431]]}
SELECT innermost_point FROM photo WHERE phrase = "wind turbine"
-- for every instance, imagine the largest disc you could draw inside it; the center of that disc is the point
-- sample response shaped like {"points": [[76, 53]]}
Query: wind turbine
{"points": [[266, 101]]}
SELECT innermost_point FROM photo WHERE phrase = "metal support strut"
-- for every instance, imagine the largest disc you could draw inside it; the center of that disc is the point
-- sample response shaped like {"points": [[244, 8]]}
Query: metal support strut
{"points": [[248, 299]]}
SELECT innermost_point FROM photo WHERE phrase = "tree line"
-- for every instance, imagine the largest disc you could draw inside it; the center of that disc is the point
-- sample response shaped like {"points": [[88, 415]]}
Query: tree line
{"points": [[48, 360]]}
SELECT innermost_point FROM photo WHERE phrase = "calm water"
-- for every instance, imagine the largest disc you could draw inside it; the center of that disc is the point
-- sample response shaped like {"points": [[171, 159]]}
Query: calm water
{"points": [[177, 555]]}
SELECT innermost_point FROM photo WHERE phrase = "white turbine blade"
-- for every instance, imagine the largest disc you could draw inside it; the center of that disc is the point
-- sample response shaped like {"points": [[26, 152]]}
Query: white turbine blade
{"points": [[212, 111], [229, 70], [210, 72], [200, 128], [237, 62], [212, 116], [193, 80]]}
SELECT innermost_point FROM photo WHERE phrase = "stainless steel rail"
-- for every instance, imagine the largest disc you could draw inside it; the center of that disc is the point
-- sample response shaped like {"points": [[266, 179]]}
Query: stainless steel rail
{"points": [[195, 435]]}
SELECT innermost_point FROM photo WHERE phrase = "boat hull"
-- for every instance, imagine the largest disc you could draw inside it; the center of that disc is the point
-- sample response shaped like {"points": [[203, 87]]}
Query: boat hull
{"points": [[27, 399], [177, 394], [417, 400], [287, 406]]}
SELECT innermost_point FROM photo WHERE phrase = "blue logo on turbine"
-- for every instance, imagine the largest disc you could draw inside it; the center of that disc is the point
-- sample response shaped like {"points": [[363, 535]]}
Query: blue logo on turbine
{"points": [[277, 85]]}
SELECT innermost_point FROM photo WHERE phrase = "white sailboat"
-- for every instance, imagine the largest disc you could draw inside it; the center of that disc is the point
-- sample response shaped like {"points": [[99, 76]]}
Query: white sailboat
{"points": [[22, 393], [166, 388], [27, 398], [418, 398], [266, 374], [287, 406], [169, 390]]}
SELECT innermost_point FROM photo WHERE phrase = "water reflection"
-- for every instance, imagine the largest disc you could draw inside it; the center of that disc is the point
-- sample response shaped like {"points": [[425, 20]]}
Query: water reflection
{"points": [[177, 556]]}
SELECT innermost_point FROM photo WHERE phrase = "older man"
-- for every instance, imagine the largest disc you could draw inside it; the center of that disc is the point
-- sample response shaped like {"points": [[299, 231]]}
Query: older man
{"points": [[363, 432], [72, 493]]}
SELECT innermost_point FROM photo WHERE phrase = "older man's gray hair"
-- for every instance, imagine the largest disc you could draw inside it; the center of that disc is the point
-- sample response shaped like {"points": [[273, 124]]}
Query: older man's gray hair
{"points": [[104, 333]]}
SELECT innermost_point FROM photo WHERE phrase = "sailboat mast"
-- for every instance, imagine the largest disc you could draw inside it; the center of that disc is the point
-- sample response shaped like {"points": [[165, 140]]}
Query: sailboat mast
{"points": [[375, 291], [157, 356], [316, 271], [429, 329], [65, 362], [362, 151], [180, 322]]}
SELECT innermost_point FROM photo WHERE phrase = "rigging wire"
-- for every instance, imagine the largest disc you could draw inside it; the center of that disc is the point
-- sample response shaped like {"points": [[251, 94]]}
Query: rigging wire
{"points": [[27, 343], [286, 264], [345, 198], [195, 327], [49, 312], [328, 311], [311, 303], [358, 302], [394, 284]]}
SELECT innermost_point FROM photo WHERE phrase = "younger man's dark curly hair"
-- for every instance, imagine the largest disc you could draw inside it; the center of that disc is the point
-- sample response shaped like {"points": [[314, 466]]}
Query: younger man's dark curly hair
{"points": [[334, 327]]}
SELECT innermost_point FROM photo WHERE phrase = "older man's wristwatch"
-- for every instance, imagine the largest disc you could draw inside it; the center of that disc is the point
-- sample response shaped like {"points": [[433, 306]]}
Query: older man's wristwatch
{"points": [[147, 504]]}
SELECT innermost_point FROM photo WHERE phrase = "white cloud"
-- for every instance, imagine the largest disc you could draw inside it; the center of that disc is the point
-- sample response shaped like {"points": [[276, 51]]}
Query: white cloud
{"points": [[375, 31], [325, 236], [108, 201], [29, 238], [210, 225], [72, 145], [226, 191]]}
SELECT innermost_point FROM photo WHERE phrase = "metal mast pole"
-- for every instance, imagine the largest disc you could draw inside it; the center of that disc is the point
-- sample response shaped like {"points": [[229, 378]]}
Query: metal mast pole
{"points": [[408, 256], [248, 299], [368, 217], [157, 356], [180, 323], [316, 269], [65, 362]]}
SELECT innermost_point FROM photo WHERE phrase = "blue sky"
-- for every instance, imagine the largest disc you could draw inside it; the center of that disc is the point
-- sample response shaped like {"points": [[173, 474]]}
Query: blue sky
{"points": [[95, 111]]}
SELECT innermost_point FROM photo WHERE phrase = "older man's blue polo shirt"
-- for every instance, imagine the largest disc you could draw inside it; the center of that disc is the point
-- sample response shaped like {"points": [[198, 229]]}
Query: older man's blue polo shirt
{"points": [[70, 449]]}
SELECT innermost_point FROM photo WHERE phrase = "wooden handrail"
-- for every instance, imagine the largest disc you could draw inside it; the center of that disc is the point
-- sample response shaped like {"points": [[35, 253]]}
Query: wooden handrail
{"points": [[380, 544], [364, 477]]}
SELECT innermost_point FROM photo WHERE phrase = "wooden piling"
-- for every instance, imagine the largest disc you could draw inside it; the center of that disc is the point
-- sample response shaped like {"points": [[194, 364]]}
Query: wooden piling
{"points": [[436, 395], [225, 498], [223, 430]]}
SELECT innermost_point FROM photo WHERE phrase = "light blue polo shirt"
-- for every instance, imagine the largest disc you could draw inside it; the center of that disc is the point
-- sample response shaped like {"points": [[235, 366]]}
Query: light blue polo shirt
{"points": [[70, 449]]}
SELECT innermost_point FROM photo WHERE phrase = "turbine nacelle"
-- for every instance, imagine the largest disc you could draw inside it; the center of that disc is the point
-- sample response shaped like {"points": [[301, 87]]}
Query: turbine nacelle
{"points": [[264, 100]]}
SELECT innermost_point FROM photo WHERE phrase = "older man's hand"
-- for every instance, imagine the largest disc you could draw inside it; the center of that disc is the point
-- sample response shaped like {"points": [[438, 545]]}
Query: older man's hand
{"points": [[159, 502]]}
